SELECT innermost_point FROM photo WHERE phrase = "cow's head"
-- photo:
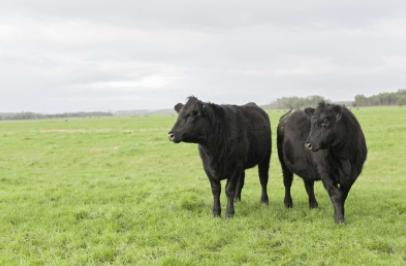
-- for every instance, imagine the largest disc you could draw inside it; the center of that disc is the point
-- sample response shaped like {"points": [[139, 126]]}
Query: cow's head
{"points": [[325, 126], [192, 124]]}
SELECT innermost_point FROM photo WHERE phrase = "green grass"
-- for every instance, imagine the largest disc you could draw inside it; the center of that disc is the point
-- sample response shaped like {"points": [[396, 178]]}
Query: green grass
{"points": [[115, 191]]}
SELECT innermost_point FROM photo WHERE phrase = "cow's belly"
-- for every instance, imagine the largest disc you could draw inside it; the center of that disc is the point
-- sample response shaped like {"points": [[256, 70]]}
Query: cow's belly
{"points": [[258, 152], [303, 170], [298, 161]]}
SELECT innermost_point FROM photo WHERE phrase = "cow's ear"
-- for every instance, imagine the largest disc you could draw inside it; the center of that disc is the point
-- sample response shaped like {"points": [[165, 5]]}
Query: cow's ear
{"points": [[309, 111], [339, 112], [178, 107]]}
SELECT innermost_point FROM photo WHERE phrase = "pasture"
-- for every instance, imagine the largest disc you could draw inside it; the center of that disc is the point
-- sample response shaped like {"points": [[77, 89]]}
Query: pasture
{"points": [[115, 191]]}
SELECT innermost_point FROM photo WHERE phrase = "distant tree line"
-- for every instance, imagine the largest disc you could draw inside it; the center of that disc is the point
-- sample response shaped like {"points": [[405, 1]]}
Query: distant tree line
{"points": [[31, 115], [386, 98], [296, 102]]}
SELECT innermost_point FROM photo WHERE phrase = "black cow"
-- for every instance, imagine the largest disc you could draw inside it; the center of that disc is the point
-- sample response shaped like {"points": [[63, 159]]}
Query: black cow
{"points": [[231, 139], [325, 143]]}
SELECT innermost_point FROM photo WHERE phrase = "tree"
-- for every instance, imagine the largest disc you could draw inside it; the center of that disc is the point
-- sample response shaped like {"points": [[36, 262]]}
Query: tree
{"points": [[402, 100], [387, 98]]}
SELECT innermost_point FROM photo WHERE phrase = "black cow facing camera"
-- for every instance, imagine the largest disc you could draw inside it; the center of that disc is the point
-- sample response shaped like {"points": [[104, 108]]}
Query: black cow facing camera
{"points": [[231, 139], [325, 143]]}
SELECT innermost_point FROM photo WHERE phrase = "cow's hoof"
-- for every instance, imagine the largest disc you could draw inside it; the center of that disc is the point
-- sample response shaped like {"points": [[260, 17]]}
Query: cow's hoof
{"points": [[313, 205], [339, 220], [229, 215], [216, 214], [265, 200], [288, 203]]}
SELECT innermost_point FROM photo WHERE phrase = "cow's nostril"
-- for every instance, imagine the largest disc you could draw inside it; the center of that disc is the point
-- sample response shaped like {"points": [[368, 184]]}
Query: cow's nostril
{"points": [[308, 146], [171, 136]]}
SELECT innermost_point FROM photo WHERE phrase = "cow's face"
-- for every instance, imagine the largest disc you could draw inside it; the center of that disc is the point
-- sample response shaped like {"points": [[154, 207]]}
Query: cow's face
{"points": [[325, 121], [192, 124]]}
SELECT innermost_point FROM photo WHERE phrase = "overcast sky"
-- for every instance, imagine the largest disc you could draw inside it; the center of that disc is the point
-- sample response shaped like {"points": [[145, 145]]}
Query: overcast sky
{"points": [[72, 55]]}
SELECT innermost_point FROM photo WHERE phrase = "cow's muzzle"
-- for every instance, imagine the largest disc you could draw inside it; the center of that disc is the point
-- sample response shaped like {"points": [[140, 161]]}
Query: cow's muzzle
{"points": [[308, 146], [173, 137]]}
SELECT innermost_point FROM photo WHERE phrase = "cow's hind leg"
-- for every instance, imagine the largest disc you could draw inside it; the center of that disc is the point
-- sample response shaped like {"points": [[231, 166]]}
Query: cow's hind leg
{"points": [[231, 187], [345, 189], [287, 182], [263, 172], [230, 190], [309, 185], [216, 190], [240, 185]]}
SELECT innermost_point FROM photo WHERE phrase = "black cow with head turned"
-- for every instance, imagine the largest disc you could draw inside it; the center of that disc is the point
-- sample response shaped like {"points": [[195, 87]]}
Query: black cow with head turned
{"points": [[231, 139], [325, 144]]}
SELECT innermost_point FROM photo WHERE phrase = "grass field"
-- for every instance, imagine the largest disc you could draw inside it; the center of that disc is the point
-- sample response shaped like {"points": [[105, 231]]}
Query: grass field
{"points": [[115, 191]]}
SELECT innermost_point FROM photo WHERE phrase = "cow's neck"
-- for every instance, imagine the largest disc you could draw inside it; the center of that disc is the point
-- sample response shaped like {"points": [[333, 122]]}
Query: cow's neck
{"points": [[217, 148]]}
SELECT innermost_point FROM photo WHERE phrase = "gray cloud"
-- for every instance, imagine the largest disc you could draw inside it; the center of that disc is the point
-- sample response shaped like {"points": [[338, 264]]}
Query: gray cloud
{"points": [[108, 55]]}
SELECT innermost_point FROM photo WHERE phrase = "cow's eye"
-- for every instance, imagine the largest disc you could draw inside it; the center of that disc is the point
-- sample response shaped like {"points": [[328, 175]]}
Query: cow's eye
{"points": [[325, 123], [195, 113]]}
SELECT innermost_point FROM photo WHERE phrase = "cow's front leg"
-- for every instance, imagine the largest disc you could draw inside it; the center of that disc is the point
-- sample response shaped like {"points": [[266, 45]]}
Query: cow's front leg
{"points": [[216, 190], [336, 198]]}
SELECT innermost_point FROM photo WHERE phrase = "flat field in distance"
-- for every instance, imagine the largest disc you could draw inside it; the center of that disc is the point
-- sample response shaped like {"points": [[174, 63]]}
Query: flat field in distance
{"points": [[114, 191]]}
